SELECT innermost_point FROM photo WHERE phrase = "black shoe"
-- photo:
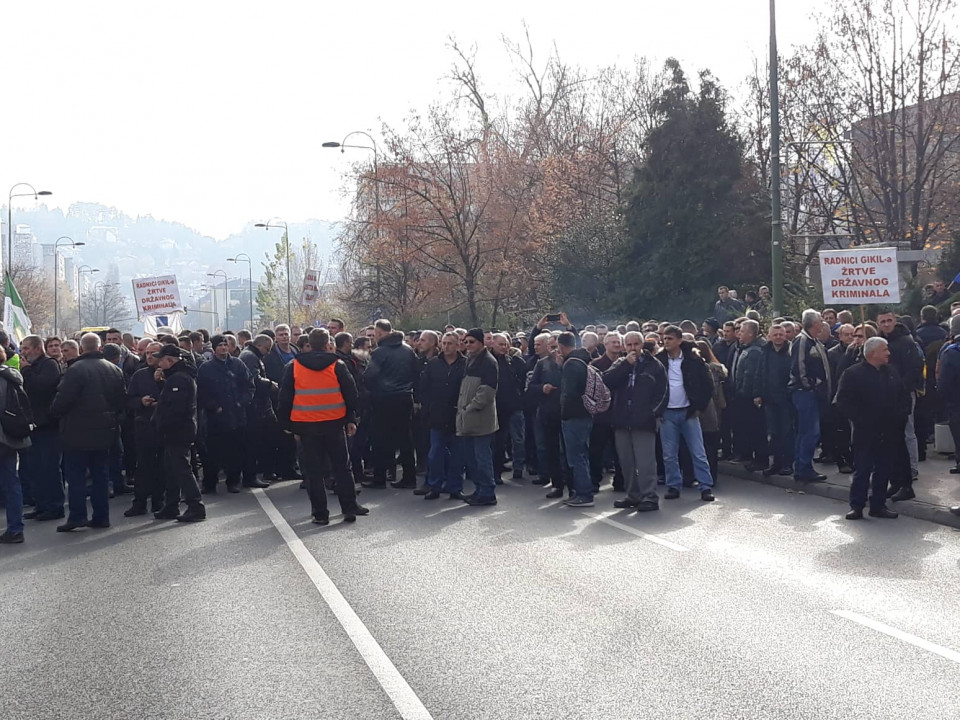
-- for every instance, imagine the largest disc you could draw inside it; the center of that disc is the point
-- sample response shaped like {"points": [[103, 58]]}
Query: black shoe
{"points": [[303, 484], [647, 506], [772, 470], [136, 509], [292, 475], [70, 526], [270, 478], [50, 515], [374, 484], [98, 523], [194, 513], [815, 478], [845, 469], [474, 500], [357, 510], [423, 490], [903, 493], [555, 493], [854, 514], [403, 484], [625, 503], [755, 467], [540, 481], [168, 512], [518, 474], [320, 520], [672, 493], [235, 488], [955, 470], [707, 495], [432, 494], [209, 490], [9, 538], [255, 484], [955, 510], [785, 472], [457, 496], [31, 515], [883, 513]]}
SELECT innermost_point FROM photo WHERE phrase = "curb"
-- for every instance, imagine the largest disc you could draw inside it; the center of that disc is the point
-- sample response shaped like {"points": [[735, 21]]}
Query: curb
{"points": [[910, 508]]}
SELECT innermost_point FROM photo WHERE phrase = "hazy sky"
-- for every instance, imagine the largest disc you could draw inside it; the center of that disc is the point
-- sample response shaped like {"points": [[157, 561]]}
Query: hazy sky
{"points": [[213, 113]]}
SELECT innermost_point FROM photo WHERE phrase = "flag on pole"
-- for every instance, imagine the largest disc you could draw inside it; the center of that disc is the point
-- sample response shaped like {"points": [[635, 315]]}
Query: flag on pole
{"points": [[15, 318]]}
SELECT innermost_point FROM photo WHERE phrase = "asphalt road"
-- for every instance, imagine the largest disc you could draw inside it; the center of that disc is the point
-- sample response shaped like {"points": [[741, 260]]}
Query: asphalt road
{"points": [[764, 604]]}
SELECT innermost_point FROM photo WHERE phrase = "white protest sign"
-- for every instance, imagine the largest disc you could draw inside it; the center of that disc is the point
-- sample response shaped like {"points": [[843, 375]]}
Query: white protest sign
{"points": [[860, 277], [157, 295], [311, 287]]}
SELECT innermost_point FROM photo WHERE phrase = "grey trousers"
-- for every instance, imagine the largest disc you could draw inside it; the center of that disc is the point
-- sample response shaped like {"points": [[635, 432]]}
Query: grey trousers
{"points": [[637, 452]]}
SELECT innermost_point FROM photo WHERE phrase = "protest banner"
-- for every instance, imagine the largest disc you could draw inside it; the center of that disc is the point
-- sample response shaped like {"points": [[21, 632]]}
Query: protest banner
{"points": [[867, 276], [156, 295]]}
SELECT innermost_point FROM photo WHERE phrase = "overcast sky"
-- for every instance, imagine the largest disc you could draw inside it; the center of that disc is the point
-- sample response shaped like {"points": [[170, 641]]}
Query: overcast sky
{"points": [[213, 113]]}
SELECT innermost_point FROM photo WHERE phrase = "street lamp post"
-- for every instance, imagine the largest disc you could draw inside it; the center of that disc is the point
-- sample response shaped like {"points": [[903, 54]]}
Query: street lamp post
{"points": [[243, 257], [56, 274], [80, 271], [277, 223], [226, 298], [33, 193], [776, 229], [376, 192]]}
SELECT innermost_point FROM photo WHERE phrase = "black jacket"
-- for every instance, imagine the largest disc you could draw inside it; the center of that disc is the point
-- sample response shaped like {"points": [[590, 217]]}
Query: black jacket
{"points": [[697, 382], [142, 385], [274, 363], [639, 393], [905, 356], [129, 362], [573, 383], [356, 370], [348, 388], [513, 379], [393, 369], [809, 367], [930, 332], [835, 357], [175, 417], [227, 386], [875, 400], [546, 372], [40, 381], [260, 408], [748, 371], [775, 375], [438, 390], [88, 403]]}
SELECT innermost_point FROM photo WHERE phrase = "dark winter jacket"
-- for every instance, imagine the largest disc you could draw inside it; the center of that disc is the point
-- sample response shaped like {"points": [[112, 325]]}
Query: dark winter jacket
{"points": [[930, 332], [175, 417], [8, 378], [356, 369], [546, 372], [573, 383], [40, 381], [393, 369], [348, 388], [905, 356], [438, 390], [274, 363], [748, 371], [477, 401], [729, 309], [224, 389], [809, 367], [142, 385], [835, 357], [639, 391], [129, 362], [948, 376], [260, 409], [775, 375], [874, 400], [90, 398], [510, 387], [697, 382]]}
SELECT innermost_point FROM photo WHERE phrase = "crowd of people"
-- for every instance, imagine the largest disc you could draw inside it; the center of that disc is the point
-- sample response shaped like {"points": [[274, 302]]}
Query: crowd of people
{"points": [[645, 403]]}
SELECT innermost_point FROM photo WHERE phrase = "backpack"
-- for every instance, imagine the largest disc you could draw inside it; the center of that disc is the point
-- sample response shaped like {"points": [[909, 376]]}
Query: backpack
{"points": [[16, 417], [596, 395]]}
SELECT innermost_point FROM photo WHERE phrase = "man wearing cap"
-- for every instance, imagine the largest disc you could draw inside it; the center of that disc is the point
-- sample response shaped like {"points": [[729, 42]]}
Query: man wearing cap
{"points": [[175, 419], [318, 404], [142, 395], [477, 417], [224, 389]]}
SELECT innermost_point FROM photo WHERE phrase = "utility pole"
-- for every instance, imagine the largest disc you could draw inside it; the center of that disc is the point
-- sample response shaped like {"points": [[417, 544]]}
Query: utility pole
{"points": [[776, 229]]}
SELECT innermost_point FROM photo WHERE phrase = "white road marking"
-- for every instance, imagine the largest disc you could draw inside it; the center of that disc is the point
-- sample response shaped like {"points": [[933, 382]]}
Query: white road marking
{"points": [[900, 635], [639, 533], [398, 690]]}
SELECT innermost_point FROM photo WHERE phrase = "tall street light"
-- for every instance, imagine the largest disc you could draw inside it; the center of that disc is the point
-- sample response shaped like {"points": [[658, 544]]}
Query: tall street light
{"points": [[277, 223], [34, 193], [776, 229], [56, 275], [376, 191], [243, 257], [226, 298], [80, 271]]}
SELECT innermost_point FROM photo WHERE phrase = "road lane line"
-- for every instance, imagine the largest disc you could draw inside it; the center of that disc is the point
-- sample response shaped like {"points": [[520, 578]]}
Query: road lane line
{"points": [[398, 690], [638, 533], [900, 635]]}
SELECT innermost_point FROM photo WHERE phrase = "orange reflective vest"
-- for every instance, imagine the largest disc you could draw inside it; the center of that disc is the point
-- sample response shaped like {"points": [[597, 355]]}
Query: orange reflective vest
{"points": [[316, 395]]}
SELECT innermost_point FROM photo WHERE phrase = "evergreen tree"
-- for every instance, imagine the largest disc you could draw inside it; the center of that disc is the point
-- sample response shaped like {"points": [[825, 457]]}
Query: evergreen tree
{"points": [[694, 217]]}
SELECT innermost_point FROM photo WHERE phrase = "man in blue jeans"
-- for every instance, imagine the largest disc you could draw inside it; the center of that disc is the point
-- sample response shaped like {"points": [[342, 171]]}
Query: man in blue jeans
{"points": [[811, 389], [437, 391], [477, 417], [690, 389], [575, 422], [10, 489]]}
